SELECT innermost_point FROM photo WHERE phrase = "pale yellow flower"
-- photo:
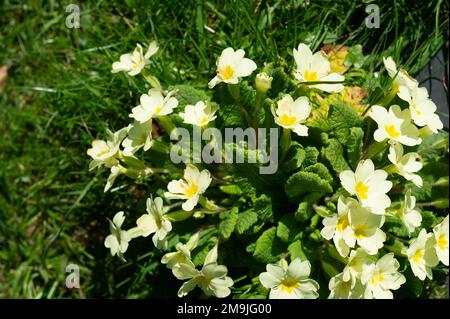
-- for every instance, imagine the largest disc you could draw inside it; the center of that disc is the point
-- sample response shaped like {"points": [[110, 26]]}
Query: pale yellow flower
{"points": [[316, 68], [231, 66]]}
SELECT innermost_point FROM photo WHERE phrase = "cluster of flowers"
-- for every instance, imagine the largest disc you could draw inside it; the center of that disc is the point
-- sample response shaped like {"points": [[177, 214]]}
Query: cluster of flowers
{"points": [[357, 222]]}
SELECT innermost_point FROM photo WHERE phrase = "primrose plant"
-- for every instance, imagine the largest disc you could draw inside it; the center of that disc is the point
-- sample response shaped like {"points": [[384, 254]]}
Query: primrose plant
{"points": [[346, 201]]}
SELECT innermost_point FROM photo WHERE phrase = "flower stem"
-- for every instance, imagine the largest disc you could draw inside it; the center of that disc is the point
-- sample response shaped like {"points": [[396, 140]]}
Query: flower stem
{"points": [[374, 149], [259, 102], [160, 146], [285, 143], [167, 124], [209, 204], [236, 95], [153, 81]]}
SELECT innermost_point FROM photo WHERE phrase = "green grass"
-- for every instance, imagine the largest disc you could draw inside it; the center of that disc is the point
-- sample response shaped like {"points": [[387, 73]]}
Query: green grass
{"points": [[61, 94]]}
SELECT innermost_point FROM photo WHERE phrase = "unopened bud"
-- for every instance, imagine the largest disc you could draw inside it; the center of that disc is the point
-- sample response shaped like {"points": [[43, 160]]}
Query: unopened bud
{"points": [[263, 82]]}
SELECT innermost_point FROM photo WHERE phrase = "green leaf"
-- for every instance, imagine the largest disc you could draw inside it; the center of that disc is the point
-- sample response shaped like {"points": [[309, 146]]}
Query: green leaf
{"points": [[268, 247], [250, 248], [232, 116], [329, 268], [281, 82], [263, 207], [311, 155], [248, 97], [303, 212], [429, 220], [231, 189], [304, 249], [305, 182], [334, 153], [431, 172], [201, 251], [413, 284], [354, 146], [179, 215], [248, 178], [320, 170], [186, 94], [288, 228], [305, 208], [355, 56], [323, 211], [433, 147], [396, 227], [342, 117], [245, 220], [294, 158], [296, 251], [227, 225], [255, 228]]}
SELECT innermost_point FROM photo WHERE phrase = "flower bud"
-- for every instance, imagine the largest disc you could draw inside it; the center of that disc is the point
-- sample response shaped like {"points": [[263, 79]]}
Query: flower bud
{"points": [[263, 82]]}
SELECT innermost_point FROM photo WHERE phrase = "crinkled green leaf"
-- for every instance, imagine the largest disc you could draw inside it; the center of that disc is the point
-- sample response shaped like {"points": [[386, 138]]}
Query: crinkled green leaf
{"points": [[355, 57], [245, 220], [268, 247], [334, 153], [288, 228], [433, 147], [281, 82], [231, 116], [429, 220], [311, 155], [296, 251], [305, 182], [294, 158], [395, 226], [231, 189], [303, 212], [227, 225], [354, 146], [186, 94], [320, 170], [263, 207], [342, 117]]}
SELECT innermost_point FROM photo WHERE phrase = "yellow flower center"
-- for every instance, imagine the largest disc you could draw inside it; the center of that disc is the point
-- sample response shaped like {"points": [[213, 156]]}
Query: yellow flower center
{"points": [[362, 190], [442, 242], [310, 76], [103, 151], [395, 87], [360, 231], [392, 132], [158, 109], [203, 281], [191, 190], [414, 106], [287, 120], [418, 255], [289, 284], [376, 279], [226, 73], [342, 223], [137, 62], [202, 121], [345, 286]]}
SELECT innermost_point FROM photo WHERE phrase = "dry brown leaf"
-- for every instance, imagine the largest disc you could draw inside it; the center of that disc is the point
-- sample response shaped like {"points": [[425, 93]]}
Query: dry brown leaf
{"points": [[3, 77]]}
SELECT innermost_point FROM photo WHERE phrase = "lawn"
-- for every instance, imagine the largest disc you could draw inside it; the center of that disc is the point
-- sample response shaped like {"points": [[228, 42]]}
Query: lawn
{"points": [[60, 94]]}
